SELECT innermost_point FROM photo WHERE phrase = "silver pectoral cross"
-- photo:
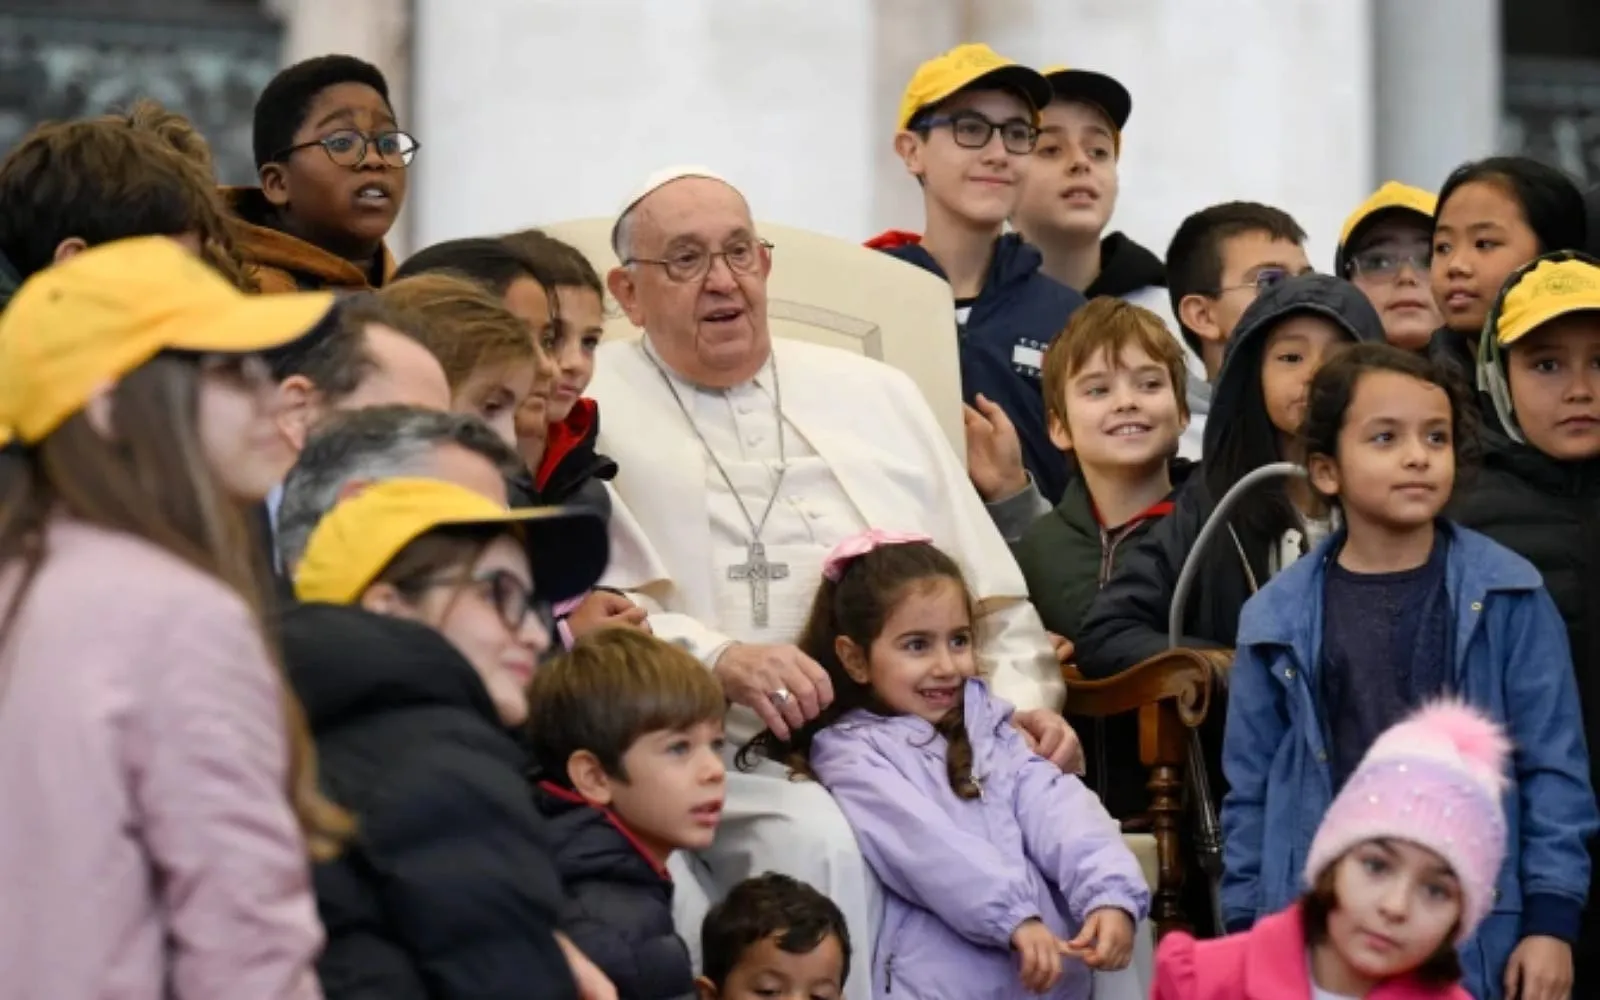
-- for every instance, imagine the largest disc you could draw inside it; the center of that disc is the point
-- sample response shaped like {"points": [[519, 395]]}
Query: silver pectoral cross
{"points": [[758, 571]]}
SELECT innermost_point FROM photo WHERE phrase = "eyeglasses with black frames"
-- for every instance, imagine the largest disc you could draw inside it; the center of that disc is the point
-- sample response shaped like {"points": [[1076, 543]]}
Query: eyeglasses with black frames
{"points": [[348, 147], [971, 130]]}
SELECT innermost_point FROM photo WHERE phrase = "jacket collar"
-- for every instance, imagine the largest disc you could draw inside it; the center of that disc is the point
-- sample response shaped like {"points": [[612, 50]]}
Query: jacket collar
{"points": [[573, 802], [1277, 966]]}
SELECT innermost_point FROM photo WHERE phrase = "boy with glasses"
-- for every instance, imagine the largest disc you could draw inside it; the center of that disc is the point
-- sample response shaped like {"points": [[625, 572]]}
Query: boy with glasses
{"points": [[1219, 260], [1385, 249], [966, 121], [332, 163]]}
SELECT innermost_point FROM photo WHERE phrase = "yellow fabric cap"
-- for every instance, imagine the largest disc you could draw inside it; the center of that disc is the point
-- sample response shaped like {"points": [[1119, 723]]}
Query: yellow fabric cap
{"points": [[1551, 289], [1392, 194], [961, 68], [360, 536], [79, 326]]}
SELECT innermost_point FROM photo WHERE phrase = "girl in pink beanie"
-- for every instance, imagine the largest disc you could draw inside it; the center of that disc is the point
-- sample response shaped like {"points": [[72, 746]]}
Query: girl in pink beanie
{"points": [[1402, 870]]}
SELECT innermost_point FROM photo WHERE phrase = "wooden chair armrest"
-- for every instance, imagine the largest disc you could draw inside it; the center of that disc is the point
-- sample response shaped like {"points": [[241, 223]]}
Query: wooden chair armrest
{"points": [[1183, 676]]}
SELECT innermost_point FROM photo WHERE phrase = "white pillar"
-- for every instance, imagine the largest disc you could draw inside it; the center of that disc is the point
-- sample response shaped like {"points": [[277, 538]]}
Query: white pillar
{"points": [[1439, 86]]}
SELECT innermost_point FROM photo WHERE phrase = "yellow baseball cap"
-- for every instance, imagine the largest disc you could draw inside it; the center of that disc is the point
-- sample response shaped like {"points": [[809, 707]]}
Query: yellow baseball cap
{"points": [[1105, 93], [1392, 195], [355, 540], [968, 67], [1549, 289], [79, 326]]}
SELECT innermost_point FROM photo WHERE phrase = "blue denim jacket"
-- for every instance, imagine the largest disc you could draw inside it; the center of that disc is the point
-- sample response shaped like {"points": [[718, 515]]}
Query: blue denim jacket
{"points": [[1511, 661]]}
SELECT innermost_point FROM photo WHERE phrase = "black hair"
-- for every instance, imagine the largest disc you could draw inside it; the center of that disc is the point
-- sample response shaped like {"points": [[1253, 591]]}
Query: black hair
{"points": [[1550, 201], [1334, 386], [857, 606], [1194, 257], [284, 102], [769, 906], [562, 264], [489, 262]]}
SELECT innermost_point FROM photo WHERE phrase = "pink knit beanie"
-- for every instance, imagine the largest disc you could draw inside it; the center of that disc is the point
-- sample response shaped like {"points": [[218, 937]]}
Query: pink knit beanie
{"points": [[1435, 780]]}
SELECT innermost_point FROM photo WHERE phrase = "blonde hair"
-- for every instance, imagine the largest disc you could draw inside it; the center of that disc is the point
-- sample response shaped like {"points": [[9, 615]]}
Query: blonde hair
{"points": [[463, 324], [1110, 325]]}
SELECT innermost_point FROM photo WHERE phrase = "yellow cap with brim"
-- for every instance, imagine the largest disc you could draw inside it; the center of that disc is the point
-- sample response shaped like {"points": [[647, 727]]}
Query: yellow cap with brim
{"points": [[969, 67], [78, 327], [1551, 289], [355, 540], [1391, 195], [1104, 92]]}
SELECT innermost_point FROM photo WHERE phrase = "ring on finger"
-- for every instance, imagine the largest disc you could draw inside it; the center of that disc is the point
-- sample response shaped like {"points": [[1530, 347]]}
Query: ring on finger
{"points": [[781, 697]]}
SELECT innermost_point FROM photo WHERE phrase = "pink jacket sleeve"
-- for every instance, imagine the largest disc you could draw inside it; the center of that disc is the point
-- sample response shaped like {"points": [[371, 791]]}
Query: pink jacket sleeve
{"points": [[208, 763], [1175, 971]]}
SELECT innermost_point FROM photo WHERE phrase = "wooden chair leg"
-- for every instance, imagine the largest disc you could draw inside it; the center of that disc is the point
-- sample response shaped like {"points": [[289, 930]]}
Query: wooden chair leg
{"points": [[1166, 809]]}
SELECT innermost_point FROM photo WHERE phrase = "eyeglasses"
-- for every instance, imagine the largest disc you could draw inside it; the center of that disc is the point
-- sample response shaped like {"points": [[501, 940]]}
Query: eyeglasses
{"points": [[971, 130], [1265, 278], [513, 600], [348, 147], [1386, 264], [686, 264]]}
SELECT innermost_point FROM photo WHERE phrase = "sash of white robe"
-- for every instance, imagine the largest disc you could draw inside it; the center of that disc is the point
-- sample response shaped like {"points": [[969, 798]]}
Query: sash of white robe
{"points": [[871, 426]]}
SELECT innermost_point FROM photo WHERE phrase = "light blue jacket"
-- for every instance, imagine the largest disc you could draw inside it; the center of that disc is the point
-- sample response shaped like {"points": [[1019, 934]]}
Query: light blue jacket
{"points": [[1511, 661], [962, 874]]}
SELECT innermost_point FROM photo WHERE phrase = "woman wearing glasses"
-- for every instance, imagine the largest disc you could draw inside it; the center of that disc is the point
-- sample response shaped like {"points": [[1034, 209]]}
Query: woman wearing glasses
{"points": [[332, 163], [1384, 249], [412, 652]]}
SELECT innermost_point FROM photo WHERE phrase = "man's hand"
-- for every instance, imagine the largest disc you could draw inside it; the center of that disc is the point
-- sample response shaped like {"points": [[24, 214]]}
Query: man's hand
{"points": [[1038, 954], [1106, 941], [784, 686], [994, 453], [1062, 647], [1541, 968], [1048, 735], [592, 983], [605, 609]]}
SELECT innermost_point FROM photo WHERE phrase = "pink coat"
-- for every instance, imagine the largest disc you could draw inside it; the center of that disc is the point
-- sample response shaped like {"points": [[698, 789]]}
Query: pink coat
{"points": [[147, 850], [1267, 962]]}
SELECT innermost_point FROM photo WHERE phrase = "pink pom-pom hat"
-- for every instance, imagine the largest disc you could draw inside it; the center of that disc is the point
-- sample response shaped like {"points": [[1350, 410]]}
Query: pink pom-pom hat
{"points": [[1437, 780]]}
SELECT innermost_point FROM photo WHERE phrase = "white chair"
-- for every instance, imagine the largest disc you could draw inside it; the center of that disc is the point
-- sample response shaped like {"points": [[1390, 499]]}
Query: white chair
{"points": [[829, 291]]}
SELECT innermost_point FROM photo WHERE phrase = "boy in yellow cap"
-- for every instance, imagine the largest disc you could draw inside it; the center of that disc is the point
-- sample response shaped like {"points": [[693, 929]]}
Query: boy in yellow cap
{"points": [[968, 121], [1538, 490], [1384, 249]]}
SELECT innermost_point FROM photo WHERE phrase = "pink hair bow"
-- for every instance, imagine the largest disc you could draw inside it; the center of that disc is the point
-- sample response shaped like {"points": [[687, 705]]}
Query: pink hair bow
{"points": [[856, 546]]}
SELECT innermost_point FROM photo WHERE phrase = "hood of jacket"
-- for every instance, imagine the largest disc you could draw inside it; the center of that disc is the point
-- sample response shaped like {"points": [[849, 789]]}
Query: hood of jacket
{"points": [[593, 843], [345, 663], [1125, 267], [267, 248], [1316, 294]]}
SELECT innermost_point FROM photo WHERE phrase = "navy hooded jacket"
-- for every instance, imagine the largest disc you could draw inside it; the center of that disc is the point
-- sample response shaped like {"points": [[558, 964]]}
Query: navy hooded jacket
{"points": [[1015, 317]]}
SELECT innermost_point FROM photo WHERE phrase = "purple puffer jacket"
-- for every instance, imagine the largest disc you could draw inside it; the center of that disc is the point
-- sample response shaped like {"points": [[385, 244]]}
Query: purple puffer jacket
{"points": [[961, 874]]}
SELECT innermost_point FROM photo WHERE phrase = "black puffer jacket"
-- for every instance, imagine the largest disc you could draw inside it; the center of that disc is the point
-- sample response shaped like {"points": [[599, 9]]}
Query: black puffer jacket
{"points": [[1127, 623], [449, 890], [620, 909]]}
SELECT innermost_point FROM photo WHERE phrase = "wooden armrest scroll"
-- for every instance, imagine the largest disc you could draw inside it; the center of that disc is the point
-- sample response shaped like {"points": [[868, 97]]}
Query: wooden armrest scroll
{"points": [[1183, 676]]}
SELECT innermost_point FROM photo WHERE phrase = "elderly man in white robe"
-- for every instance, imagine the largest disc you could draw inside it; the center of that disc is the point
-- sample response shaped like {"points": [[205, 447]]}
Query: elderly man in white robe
{"points": [[743, 462]]}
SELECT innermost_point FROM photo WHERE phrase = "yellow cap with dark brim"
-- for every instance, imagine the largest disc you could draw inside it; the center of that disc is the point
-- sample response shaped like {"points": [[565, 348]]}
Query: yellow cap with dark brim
{"points": [[1104, 92], [1551, 289], [77, 327], [969, 67], [360, 536], [1392, 195]]}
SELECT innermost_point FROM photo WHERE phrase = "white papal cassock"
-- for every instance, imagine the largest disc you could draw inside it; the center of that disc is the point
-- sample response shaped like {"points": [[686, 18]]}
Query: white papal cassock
{"points": [[861, 449]]}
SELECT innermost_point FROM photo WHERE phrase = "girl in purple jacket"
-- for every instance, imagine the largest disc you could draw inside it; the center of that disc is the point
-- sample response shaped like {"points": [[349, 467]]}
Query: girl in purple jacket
{"points": [[1004, 877]]}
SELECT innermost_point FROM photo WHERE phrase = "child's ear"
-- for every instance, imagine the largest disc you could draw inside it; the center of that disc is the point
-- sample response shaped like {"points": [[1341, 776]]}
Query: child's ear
{"points": [[69, 248], [298, 408], [1198, 313], [589, 778], [705, 988], [1059, 435], [853, 658], [274, 183], [1324, 474], [908, 146]]}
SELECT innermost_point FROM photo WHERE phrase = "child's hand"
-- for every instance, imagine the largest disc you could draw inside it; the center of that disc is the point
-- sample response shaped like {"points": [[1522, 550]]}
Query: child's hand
{"points": [[1541, 968], [1106, 941], [1040, 954]]}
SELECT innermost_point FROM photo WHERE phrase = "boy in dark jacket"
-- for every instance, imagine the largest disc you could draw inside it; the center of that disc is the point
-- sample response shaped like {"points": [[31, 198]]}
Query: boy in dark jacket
{"points": [[332, 163], [1114, 388], [1538, 491], [626, 734], [966, 121], [774, 936]]}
